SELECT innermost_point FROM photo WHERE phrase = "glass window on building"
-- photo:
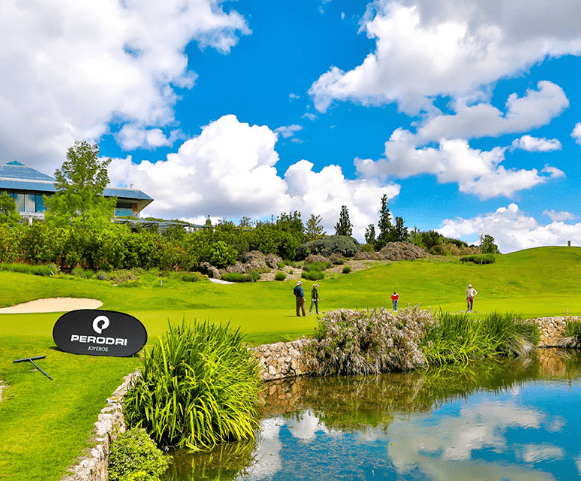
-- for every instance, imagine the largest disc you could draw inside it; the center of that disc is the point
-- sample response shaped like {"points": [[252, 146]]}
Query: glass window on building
{"points": [[40, 203], [29, 202]]}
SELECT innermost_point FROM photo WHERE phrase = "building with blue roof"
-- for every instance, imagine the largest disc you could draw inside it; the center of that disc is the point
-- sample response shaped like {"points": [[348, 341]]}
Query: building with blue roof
{"points": [[27, 186]]}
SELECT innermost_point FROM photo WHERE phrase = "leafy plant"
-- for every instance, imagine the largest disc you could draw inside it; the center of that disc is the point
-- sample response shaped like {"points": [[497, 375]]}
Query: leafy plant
{"points": [[572, 335], [234, 277], [198, 388], [280, 276], [313, 275], [135, 457], [346, 269], [343, 245]]}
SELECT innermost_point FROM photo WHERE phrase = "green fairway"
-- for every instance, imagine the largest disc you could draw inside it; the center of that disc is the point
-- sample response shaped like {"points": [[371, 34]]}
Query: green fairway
{"points": [[44, 424]]}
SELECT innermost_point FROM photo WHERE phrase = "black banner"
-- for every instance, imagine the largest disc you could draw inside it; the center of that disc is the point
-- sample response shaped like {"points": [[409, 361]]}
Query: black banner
{"points": [[99, 333]]}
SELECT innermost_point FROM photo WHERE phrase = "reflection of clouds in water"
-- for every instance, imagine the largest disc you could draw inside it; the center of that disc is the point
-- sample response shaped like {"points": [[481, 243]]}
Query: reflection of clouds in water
{"points": [[535, 453], [578, 463], [556, 425], [444, 451], [306, 426], [267, 461]]}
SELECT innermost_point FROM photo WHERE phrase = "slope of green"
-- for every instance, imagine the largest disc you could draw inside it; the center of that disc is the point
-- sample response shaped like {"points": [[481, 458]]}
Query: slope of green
{"points": [[50, 420]]}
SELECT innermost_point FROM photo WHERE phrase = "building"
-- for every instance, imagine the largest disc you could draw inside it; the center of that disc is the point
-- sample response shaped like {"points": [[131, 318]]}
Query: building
{"points": [[27, 186]]}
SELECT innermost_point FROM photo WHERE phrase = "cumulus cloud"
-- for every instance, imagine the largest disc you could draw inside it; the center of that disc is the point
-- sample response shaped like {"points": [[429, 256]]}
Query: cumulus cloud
{"points": [[71, 68], [476, 172], [576, 134], [229, 171], [534, 144], [446, 48], [513, 229]]}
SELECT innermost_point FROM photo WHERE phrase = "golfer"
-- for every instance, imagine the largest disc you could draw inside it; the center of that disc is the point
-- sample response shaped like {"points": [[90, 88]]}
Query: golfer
{"points": [[300, 297], [470, 294]]}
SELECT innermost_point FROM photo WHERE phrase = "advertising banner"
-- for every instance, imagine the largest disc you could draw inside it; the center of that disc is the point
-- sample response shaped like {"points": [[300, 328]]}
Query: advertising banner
{"points": [[99, 333]]}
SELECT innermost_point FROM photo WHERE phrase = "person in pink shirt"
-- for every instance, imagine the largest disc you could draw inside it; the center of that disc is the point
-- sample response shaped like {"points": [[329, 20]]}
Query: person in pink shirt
{"points": [[394, 299]]}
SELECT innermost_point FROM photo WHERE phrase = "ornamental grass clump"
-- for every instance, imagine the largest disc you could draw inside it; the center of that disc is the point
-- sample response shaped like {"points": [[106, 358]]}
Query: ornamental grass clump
{"points": [[456, 338], [198, 388], [369, 341], [572, 335]]}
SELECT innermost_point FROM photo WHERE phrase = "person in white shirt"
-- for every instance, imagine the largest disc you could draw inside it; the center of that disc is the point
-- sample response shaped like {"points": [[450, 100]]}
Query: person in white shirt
{"points": [[470, 293]]}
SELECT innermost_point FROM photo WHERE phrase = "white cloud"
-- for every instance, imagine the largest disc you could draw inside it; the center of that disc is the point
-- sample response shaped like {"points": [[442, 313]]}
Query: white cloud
{"points": [[576, 134], [476, 172], [229, 171], [534, 109], [133, 137], [288, 130], [534, 144], [513, 230], [559, 216], [445, 48], [69, 68]]}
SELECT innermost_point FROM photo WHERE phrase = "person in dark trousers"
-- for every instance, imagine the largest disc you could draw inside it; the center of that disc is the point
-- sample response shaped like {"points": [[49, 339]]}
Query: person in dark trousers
{"points": [[300, 297], [394, 300], [314, 299]]}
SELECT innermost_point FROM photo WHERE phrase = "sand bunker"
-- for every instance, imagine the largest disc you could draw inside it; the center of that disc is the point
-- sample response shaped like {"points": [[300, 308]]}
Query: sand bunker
{"points": [[57, 304]]}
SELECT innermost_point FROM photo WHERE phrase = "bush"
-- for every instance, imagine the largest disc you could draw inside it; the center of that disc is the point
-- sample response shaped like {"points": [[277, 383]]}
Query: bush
{"points": [[192, 277], [102, 276], [316, 266], [346, 269], [198, 388], [344, 245], [313, 275], [253, 276], [280, 276], [572, 335], [234, 277], [479, 259], [369, 342], [135, 457]]}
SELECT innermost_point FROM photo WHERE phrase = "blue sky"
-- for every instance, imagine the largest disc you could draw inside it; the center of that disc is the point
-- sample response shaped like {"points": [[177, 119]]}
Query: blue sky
{"points": [[465, 113]]}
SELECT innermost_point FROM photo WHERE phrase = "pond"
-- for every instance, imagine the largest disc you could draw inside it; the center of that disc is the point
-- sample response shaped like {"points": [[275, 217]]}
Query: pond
{"points": [[503, 419]]}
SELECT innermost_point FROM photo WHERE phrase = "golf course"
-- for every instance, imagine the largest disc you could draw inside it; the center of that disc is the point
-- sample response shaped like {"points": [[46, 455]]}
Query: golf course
{"points": [[45, 425]]}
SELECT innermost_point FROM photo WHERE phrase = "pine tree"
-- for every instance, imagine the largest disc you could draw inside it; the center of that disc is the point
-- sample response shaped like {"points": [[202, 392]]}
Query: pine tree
{"points": [[344, 227]]}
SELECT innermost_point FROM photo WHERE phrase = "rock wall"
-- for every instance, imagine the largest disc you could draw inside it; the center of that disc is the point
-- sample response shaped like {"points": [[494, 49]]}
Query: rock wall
{"points": [[110, 422], [282, 359], [552, 329]]}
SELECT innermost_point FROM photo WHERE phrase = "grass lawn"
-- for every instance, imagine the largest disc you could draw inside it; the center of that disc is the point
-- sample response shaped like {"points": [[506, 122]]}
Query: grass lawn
{"points": [[44, 425]]}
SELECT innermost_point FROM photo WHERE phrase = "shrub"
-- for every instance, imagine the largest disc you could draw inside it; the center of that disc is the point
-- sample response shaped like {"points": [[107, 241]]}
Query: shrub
{"points": [[253, 276], [222, 254], [316, 266], [479, 259], [198, 388], [192, 277], [78, 272], [233, 277], [135, 457], [344, 245], [346, 269], [369, 342], [280, 276], [281, 265], [102, 275], [313, 275]]}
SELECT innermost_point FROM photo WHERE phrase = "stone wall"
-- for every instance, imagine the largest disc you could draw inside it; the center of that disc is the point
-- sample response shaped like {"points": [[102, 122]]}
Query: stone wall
{"points": [[552, 329], [110, 422], [277, 361], [282, 359]]}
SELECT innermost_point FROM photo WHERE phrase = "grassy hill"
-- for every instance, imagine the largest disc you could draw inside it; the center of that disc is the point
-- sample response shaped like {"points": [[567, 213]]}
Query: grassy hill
{"points": [[44, 424]]}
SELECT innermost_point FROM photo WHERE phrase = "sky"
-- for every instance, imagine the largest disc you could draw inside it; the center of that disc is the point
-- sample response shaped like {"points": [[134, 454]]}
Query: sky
{"points": [[465, 113]]}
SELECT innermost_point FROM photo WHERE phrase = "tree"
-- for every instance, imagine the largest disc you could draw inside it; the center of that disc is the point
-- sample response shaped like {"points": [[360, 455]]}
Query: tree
{"points": [[344, 227], [81, 181], [370, 235], [8, 212], [399, 232], [314, 230], [384, 225], [487, 245]]}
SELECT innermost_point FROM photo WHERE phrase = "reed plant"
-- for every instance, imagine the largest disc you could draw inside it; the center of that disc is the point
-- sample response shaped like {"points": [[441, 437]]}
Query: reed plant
{"points": [[572, 335], [457, 338], [198, 388]]}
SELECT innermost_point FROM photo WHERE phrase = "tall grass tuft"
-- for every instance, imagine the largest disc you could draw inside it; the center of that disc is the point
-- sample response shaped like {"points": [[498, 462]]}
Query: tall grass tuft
{"points": [[198, 388], [456, 338], [572, 335]]}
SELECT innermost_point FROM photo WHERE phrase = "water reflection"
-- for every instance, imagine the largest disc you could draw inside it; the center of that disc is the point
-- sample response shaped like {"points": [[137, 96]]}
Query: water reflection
{"points": [[499, 419]]}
